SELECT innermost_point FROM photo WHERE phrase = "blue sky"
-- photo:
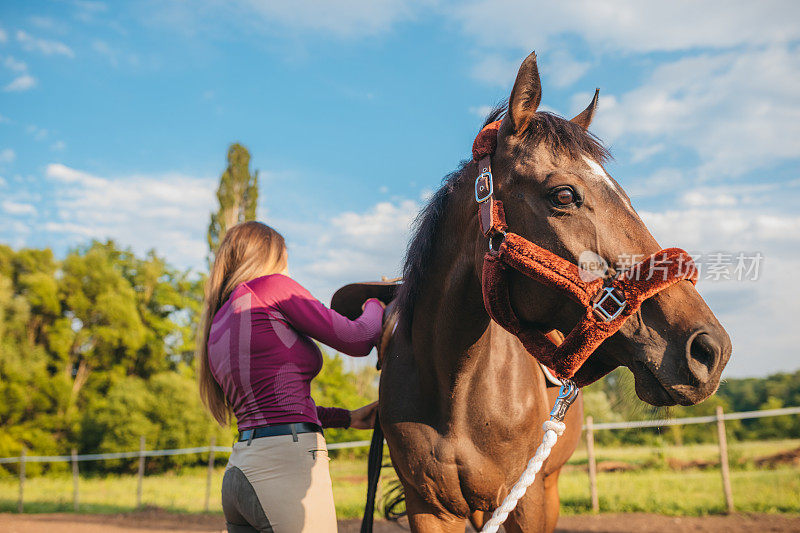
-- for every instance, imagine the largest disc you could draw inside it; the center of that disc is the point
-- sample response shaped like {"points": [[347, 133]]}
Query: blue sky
{"points": [[115, 119]]}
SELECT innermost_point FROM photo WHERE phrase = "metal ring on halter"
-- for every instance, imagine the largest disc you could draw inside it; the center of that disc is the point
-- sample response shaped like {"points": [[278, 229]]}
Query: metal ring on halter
{"points": [[491, 249]]}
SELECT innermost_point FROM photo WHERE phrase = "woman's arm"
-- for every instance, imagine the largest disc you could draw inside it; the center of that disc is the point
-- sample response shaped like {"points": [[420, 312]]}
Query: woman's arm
{"points": [[361, 418], [333, 417], [309, 316]]}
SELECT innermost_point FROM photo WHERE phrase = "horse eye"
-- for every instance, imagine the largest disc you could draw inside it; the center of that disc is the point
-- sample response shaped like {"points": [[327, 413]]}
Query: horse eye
{"points": [[563, 197]]}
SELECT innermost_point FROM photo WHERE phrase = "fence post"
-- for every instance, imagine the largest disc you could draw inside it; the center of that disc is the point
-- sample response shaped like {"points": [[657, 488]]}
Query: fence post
{"points": [[75, 500], [723, 460], [210, 469], [20, 502], [592, 464], [141, 472]]}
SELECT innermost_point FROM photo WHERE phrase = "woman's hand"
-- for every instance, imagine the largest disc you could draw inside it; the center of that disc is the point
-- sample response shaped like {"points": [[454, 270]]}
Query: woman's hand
{"points": [[364, 417], [364, 305]]}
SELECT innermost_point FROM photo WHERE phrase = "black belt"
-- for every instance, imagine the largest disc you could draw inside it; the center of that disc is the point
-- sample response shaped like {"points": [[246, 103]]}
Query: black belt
{"points": [[279, 429]]}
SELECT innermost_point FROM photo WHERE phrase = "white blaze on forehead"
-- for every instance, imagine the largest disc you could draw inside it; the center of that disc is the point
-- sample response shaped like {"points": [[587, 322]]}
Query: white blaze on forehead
{"points": [[600, 173]]}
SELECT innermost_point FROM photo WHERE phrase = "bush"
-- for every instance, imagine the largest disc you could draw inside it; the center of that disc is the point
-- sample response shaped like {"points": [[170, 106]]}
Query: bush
{"points": [[165, 409]]}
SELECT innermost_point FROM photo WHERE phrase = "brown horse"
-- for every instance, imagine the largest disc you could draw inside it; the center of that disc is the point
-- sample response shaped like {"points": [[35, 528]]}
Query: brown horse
{"points": [[461, 401]]}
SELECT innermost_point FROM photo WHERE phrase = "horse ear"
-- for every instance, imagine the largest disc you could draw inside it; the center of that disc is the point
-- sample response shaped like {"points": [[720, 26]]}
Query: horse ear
{"points": [[585, 117], [526, 94]]}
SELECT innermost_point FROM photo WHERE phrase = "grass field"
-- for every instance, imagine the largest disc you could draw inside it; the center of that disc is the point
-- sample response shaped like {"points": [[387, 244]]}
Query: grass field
{"points": [[654, 489]]}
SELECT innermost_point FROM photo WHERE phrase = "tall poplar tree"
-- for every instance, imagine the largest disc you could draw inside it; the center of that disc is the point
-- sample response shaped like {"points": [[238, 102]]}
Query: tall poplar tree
{"points": [[237, 195]]}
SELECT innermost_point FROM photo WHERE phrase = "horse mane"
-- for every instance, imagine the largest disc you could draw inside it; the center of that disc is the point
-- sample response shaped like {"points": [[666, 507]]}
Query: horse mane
{"points": [[563, 137]]}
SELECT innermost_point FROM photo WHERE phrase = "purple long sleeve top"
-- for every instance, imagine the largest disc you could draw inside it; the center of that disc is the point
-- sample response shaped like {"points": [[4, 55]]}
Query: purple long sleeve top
{"points": [[261, 352]]}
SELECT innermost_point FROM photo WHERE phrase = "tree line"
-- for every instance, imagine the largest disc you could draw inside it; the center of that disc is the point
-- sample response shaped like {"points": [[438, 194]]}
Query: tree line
{"points": [[97, 350]]}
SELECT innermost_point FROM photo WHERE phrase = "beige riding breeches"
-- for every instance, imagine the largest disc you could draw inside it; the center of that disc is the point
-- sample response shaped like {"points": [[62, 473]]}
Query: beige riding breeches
{"points": [[277, 484]]}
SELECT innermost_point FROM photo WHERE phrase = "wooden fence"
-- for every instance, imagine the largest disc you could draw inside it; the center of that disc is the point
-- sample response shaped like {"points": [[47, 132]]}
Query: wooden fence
{"points": [[719, 418]]}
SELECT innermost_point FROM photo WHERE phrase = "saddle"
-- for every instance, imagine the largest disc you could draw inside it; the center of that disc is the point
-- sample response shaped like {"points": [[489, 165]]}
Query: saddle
{"points": [[348, 301]]}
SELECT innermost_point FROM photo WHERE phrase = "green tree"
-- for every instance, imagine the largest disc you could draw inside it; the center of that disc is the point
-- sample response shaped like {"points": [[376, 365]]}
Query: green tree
{"points": [[103, 314], [237, 195], [77, 332], [334, 387], [164, 409], [32, 389]]}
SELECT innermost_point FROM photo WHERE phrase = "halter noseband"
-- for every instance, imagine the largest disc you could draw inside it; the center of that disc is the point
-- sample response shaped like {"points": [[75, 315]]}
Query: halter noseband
{"points": [[607, 302]]}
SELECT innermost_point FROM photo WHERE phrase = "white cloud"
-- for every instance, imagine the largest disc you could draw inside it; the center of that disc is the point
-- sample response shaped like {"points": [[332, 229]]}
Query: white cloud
{"points": [[732, 228], [759, 315], [65, 174], [17, 231], [496, 69], [662, 181], [36, 132], [7, 155], [738, 111], [168, 212], [700, 198], [3, 36], [643, 153], [58, 146], [49, 24], [46, 47], [562, 69], [17, 208], [115, 56], [629, 25], [16, 66], [21, 83], [352, 246]]}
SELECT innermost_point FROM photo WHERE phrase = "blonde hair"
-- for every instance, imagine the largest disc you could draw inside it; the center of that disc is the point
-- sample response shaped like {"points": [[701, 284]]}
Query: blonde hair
{"points": [[248, 251]]}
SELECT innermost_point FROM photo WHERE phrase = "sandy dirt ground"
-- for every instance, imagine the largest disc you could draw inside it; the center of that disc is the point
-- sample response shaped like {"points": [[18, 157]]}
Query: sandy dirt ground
{"points": [[159, 521]]}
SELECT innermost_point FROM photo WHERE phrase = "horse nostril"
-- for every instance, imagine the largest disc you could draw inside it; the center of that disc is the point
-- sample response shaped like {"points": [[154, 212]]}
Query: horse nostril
{"points": [[702, 354]]}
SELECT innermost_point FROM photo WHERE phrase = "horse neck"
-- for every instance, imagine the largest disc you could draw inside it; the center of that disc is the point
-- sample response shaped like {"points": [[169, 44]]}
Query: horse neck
{"points": [[449, 317], [466, 363]]}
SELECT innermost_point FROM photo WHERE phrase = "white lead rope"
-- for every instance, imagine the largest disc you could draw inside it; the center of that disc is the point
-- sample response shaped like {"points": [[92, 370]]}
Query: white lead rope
{"points": [[553, 429]]}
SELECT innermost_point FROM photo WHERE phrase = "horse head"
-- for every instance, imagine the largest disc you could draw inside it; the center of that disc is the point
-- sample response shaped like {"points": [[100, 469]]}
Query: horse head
{"points": [[549, 175]]}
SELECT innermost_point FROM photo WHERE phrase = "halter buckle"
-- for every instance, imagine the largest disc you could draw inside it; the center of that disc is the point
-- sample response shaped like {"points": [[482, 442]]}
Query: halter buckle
{"points": [[484, 187], [609, 303]]}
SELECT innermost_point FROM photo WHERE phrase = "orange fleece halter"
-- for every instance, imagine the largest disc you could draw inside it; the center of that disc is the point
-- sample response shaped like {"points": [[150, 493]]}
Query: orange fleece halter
{"points": [[607, 302]]}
